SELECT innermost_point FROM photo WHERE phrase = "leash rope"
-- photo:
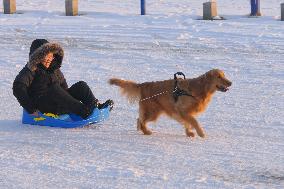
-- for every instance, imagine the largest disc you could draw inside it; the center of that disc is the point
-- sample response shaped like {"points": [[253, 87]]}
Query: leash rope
{"points": [[147, 98], [176, 92]]}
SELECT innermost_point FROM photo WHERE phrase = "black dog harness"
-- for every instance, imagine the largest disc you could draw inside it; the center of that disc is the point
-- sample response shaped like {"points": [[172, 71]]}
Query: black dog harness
{"points": [[177, 92]]}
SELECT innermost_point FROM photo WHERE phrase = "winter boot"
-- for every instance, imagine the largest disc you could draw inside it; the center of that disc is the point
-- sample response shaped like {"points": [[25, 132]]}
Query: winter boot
{"points": [[109, 103]]}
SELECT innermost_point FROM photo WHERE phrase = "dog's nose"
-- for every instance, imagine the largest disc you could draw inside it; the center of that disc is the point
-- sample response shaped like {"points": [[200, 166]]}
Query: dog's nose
{"points": [[229, 83]]}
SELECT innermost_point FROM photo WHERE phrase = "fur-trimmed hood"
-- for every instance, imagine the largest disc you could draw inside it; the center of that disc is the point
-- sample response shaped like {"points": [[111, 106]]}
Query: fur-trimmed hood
{"points": [[38, 55]]}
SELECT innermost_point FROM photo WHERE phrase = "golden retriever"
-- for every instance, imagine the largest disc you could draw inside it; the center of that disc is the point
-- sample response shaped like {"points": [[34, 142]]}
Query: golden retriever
{"points": [[156, 98]]}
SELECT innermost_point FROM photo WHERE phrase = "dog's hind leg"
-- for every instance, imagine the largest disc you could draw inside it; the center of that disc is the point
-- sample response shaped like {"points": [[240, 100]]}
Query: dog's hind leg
{"points": [[141, 125], [146, 115], [138, 125]]}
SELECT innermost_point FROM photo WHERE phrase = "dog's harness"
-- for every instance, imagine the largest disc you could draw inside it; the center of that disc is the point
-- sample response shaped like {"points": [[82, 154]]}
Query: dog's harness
{"points": [[177, 92]]}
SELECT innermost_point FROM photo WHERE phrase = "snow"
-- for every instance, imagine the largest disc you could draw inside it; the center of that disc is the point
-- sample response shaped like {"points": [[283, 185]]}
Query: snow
{"points": [[244, 147]]}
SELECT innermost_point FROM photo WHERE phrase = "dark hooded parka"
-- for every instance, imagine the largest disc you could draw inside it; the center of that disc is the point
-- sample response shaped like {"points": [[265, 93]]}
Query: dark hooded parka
{"points": [[39, 88], [33, 80]]}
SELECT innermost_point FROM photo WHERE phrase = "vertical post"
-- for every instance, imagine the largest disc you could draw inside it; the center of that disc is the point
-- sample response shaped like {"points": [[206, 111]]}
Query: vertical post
{"points": [[143, 7], [282, 12], [71, 7], [255, 8], [209, 10], [9, 6]]}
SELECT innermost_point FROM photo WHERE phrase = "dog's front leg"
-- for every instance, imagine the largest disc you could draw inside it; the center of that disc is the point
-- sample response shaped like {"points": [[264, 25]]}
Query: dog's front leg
{"points": [[193, 122], [196, 126], [186, 125], [188, 131]]}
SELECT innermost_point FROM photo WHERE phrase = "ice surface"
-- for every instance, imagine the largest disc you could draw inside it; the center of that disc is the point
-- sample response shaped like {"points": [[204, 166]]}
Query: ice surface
{"points": [[244, 147]]}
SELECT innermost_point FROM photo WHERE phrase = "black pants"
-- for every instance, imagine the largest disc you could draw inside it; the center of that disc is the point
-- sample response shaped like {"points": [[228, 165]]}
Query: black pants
{"points": [[74, 100]]}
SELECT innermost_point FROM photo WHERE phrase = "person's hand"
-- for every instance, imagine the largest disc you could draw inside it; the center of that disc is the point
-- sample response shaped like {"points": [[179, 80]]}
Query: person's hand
{"points": [[36, 114]]}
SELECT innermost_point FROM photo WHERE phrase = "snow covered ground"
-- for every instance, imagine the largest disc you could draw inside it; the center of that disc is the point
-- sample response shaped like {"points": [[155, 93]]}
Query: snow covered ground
{"points": [[244, 147]]}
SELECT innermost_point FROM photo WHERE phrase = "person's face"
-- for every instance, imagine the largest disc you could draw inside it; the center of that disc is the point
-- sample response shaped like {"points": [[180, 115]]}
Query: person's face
{"points": [[47, 60]]}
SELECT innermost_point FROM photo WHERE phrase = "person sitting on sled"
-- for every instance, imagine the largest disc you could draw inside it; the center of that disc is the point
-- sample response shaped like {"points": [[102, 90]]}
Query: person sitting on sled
{"points": [[41, 86]]}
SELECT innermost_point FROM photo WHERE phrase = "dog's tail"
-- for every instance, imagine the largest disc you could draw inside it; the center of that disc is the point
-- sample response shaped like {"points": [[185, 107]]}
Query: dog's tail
{"points": [[128, 88]]}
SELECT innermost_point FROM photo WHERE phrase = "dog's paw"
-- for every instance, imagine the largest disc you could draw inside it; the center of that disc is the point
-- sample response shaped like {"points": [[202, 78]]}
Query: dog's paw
{"points": [[200, 132], [189, 133], [147, 132], [202, 135]]}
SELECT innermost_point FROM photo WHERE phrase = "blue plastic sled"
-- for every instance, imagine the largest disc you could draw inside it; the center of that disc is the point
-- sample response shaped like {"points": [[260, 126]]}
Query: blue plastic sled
{"points": [[65, 120]]}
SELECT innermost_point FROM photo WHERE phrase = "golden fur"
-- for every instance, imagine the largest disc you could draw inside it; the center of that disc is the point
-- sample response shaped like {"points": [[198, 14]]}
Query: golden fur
{"points": [[185, 109]]}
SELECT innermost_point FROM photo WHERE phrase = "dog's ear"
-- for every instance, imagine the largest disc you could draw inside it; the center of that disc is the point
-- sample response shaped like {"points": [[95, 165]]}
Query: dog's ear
{"points": [[215, 73], [210, 74]]}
